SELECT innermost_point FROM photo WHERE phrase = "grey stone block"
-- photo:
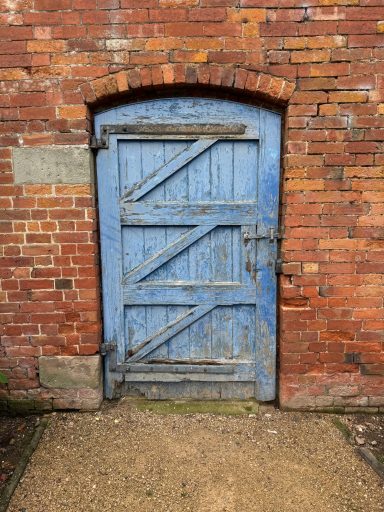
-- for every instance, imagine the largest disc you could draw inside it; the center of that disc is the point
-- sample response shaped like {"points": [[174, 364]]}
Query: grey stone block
{"points": [[70, 372], [53, 164]]}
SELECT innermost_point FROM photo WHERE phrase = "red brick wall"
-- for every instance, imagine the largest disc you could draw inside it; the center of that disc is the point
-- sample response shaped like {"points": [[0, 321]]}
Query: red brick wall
{"points": [[54, 55]]}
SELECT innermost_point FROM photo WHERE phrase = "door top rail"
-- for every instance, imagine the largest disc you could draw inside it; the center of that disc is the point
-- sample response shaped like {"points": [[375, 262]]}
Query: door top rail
{"points": [[162, 130]]}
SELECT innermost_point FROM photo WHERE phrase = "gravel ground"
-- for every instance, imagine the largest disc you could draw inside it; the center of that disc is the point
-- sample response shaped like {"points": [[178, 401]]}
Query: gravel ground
{"points": [[15, 434], [367, 430], [122, 459]]}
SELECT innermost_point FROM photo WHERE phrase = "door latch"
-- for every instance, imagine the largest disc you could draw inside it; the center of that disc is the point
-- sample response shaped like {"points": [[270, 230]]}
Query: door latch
{"points": [[271, 236]]}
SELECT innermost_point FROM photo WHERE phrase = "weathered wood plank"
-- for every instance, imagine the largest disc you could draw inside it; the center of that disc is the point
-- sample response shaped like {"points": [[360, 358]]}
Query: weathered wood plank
{"points": [[236, 373], [180, 366], [131, 171], [163, 129], [222, 174], [244, 332], [200, 259], [268, 193], [188, 292], [111, 257], [197, 362], [171, 213], [164, 255], [166, 170], [177, 268], [179, 110], [169, 330], [155, 238]]}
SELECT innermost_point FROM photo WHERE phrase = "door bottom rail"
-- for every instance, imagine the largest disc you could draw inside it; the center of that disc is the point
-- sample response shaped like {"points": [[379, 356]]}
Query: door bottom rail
{"points": [[184, 371]]}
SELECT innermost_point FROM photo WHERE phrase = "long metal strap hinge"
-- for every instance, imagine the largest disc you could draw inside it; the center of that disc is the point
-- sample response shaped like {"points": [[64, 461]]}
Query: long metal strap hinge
{"points": [[201, 130]]}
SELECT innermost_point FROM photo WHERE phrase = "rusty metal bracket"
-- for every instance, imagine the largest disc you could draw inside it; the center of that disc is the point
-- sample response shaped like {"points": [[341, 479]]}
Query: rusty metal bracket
{"points": [[107, 347], [278, 266], [108, 350]]}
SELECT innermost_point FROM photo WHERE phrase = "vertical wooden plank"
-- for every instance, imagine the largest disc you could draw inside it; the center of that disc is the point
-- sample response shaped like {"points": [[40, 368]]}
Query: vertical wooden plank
{"points": [[245, 188], [130, 165], [176, 189], [153, 156], [111, 257], [131, 171], [222, 164], [200, 269], [268, 197]]}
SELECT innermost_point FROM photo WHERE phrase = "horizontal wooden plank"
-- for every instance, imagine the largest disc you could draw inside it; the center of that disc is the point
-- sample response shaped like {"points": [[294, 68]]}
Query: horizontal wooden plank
{"points": [[176, 163], [188, 293], [239, 373], [189, 361], [168, 331], [229, 213], [169, 252]]}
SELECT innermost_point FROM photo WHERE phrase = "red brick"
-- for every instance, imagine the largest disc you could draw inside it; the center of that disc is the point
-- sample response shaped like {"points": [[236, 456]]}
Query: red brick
{"points": [[357, 27], [15, 33], [366, 12], [332, 193], [365, 41]]}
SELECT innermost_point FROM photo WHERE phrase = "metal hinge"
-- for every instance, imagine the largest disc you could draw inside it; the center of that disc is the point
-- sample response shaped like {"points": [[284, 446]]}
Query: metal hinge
{"points": [[98, 143], [107, 347], [278, 266], [271, 235]]}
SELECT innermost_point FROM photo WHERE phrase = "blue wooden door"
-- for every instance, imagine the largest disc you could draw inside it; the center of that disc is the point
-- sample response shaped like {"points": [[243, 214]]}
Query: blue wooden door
{"points": [[188, 203]]}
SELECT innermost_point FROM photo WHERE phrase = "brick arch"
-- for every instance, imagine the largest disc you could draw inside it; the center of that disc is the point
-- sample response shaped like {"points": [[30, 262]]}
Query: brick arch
{"points": [[275, 90]]}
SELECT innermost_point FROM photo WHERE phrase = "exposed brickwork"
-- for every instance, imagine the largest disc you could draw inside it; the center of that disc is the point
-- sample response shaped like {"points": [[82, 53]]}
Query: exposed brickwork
{"points": [[59, 59]]}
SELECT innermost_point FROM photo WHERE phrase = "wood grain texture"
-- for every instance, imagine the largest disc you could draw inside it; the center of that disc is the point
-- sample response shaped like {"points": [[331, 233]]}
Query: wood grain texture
{"points": [[188, 292], [167, 253], [170, 213], [168, 331], [166, 170], [268, 195], [242, 372], [111, 258]]}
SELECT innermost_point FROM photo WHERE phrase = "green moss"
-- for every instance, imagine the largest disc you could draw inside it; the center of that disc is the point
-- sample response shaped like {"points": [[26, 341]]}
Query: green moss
{"points": [[330, 410], [21, 406], [228, 408], [342, 427]]}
